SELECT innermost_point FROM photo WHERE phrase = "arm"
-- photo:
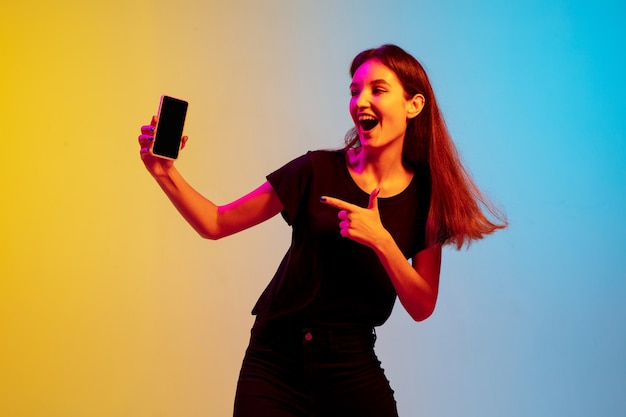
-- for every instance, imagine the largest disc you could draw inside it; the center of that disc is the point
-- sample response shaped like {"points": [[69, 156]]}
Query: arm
{"points": [[417, 285], [208, 219], [215, 222]]}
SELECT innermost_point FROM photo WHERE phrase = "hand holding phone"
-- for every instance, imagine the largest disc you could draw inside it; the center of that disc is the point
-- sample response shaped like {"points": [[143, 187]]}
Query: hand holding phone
{"points": [[169, 129]]}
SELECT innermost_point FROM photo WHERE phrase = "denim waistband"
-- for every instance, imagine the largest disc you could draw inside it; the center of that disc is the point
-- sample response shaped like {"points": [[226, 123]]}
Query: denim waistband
{"points": [[308, 333]]}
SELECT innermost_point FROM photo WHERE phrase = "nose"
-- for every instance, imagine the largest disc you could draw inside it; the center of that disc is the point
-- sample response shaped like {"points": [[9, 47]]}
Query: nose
{"points": [[361, 100]]}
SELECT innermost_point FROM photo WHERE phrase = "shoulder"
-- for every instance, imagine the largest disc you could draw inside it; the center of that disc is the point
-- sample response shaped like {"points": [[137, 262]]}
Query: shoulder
{"points": [[326, 160], [306, 166], [323, 155], [318, 164], [315, 157]]}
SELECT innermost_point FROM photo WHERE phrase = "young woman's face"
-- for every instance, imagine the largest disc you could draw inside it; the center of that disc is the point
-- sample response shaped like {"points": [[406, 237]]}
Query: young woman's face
{"points": [[379, 107]]}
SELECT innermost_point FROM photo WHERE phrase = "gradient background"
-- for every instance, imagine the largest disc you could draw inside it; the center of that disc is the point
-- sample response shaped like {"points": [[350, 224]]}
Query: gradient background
{"points": [[110, 305]]}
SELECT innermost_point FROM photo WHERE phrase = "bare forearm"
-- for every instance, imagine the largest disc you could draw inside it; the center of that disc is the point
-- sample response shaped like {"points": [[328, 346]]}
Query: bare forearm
{"points": [[416, 284], [210, 220], [417, 292], [199, 212]]}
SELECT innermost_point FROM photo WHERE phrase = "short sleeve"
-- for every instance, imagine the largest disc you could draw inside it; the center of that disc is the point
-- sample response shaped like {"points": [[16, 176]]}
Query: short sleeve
{"points": [[291, 183]]}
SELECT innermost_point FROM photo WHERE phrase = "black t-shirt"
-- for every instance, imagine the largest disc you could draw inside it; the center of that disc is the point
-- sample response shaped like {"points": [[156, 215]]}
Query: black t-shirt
{"points": [[327, 279]]}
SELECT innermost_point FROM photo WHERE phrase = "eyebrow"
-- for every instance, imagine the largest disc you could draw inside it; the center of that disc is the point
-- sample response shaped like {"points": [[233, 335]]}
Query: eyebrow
{"points": [[377, 81]]}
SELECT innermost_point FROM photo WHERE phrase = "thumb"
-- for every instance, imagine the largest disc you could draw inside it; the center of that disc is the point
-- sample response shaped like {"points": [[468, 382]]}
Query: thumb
{"points": [[373, 203]]}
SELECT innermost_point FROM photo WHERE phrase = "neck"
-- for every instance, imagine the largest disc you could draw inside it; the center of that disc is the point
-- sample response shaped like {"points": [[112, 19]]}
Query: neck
{"points": [[375, 168], [379, 163]]}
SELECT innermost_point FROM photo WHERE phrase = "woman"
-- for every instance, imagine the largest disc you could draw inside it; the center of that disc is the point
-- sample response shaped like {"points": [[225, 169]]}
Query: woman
{"points": [[397, 191]]}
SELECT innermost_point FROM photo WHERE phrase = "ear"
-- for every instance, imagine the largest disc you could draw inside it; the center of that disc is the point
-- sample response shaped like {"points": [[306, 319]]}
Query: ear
{"points": [[415, 106]]}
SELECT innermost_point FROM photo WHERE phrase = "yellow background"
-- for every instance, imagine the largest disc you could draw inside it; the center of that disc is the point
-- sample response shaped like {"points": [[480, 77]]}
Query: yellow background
{"points": [[110, 305]]}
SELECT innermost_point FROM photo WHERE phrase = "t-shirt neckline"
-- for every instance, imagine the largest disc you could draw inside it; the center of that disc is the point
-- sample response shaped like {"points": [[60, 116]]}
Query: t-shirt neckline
{"points": [[344, 164]]}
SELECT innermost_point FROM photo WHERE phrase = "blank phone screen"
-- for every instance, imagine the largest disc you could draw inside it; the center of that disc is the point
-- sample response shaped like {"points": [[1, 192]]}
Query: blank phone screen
{"points": [[169, 130]]}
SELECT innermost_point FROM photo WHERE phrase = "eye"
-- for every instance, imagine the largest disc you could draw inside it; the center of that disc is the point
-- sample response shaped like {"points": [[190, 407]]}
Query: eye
{"points": [[354, 93], [378, 90]]}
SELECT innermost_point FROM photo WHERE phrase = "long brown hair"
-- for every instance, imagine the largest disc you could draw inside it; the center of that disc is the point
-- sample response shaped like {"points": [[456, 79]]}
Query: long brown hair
{"points": [[457, 206]]}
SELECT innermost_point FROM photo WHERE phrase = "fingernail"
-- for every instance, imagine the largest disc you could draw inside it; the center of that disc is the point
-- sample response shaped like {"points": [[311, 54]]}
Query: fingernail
{"points": [[323, 199], [152, 129], [151, 138]]}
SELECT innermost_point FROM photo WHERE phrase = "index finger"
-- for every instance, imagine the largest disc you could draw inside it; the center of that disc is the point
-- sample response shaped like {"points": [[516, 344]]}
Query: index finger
{"points": [[337, 203]]}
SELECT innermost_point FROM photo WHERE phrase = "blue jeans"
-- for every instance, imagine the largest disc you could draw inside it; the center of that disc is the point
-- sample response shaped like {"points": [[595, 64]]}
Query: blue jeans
{"points": [[312, 372]]}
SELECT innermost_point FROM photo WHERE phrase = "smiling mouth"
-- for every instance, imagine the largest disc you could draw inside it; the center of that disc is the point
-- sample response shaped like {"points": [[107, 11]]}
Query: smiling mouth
{"points": [[368, 124]]}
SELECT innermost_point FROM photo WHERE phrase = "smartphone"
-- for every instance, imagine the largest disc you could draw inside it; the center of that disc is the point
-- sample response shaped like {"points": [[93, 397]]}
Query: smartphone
{"points": [[169, 129]]}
